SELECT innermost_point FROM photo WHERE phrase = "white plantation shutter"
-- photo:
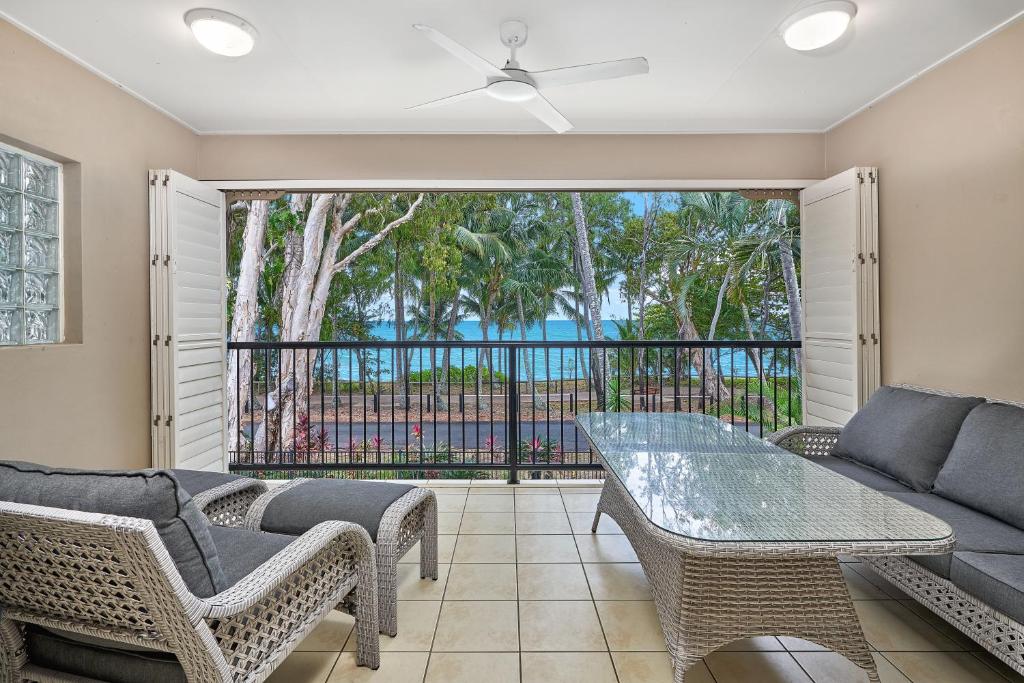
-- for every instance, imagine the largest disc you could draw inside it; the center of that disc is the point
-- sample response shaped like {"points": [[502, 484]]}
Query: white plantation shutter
{"points": [[839, 268], [188, 314]]}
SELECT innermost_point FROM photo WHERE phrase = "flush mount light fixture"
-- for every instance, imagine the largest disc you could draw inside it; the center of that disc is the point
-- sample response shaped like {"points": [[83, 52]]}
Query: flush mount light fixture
{"points": [[221, 32], [818, 25]]}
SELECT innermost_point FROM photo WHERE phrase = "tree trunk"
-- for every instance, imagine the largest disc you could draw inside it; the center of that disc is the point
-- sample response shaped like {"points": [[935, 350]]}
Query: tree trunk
{"points": [[446, 357], [243, 319], [527, 362], [590, 294], [792, 293]]}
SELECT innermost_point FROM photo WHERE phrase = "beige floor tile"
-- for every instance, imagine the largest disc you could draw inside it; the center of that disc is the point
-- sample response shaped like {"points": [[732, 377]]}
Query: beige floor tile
{"points": [[581, 522], [552, 582], [304, 667], [542, 523], [501, 489], [416, 622], [477, 549], [560, 626], [526, 483], [539, 504], [943, 667], [448, 522], [395, 667], [473, 667], [451, 503], [445, 548], [535, 490], [474, 626], [756, 644], [330, 635], [859, 585], [580, 502], [605, 548], [546, 548], [488, 523], [941, 625], [568, 667], [801, 645], [1001, 668], [889, 626], [618, 581], [654, 667], [631, 626], [865, 570], [489, 503], [829, 667], [747, 667], [412, 587], [481, 582]]}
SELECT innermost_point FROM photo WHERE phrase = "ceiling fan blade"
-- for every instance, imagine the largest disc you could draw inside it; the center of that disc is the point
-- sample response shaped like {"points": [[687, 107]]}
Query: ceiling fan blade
{"points": [[546, 112], [451, 99], [602, 71], [462, 52]]}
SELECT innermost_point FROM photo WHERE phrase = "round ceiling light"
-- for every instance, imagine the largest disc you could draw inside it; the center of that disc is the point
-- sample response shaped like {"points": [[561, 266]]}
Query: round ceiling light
{"points": [[221, 32], [818, 25]]}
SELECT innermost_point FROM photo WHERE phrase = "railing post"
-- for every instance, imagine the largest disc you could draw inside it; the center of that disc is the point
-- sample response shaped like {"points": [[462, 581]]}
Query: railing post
{"points": [[512, 415]]}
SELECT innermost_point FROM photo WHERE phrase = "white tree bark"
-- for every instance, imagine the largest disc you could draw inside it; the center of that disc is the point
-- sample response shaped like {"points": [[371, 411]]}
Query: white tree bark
{"points": [[590, 294], [243, 320], [792, 293]]}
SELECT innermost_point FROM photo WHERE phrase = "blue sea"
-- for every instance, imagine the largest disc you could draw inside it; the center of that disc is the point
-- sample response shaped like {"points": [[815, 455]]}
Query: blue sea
{"points": [[559, 364]]}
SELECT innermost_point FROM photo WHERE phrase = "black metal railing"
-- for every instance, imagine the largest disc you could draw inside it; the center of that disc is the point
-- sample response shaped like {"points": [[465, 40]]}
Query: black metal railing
{"points": [[422, 409]]}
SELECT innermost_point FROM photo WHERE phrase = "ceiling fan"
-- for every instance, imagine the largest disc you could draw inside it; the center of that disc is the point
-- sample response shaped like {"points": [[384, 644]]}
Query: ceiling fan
{"points": [[514, 84]]}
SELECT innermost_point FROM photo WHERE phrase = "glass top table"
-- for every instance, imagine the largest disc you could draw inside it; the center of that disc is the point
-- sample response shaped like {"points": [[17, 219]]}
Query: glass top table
{"points": [[699, 477]]}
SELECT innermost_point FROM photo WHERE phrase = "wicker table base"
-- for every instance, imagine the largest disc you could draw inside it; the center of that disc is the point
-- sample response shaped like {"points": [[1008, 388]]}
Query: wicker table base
{"points": [[706, 601]]}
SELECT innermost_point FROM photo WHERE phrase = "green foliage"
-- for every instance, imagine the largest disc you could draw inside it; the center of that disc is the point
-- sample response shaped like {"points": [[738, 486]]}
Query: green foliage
{"points": [[458, 375]]}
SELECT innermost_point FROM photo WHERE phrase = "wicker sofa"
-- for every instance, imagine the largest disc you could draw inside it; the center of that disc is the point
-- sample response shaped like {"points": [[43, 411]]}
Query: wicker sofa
{"points": [[118, 576], [962, 460]]}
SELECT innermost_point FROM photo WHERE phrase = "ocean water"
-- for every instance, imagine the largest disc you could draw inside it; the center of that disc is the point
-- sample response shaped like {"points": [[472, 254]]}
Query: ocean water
{"points": [[558, 363]]}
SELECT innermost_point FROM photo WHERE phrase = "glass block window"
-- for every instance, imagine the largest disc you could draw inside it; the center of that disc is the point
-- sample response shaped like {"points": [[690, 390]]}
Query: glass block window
{"points": [[30, 256]]}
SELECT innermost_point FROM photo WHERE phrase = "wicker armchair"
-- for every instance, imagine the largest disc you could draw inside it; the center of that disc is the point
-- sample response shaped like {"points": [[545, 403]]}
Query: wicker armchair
{"points": [[110, 577], [226, 505]]}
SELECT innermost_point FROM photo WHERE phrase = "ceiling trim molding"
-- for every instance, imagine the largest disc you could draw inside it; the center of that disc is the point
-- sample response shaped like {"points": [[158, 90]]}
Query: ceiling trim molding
{"points": [[96, 72], [532, 133], [899, 86], [497, 184]]}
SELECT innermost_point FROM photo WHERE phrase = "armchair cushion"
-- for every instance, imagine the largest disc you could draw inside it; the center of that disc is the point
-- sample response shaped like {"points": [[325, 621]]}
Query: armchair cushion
{"points": [[241, 551], [197, 481], [985, 469], [302, 507], [147, 494], [96, 661], [904, 433]]}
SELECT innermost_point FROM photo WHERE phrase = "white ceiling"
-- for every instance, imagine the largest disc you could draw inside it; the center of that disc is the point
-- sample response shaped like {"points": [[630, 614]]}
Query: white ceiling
{"points": [[354, 65]]}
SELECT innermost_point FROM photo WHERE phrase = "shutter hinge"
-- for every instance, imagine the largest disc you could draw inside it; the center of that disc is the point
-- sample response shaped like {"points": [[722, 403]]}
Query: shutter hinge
{"points": [[167, 341], [169, 418], [155, 260], [167, 179], [860, 177], [156, 339], [874, 259], [152, 179], [874, 338], [860, 256], [872, 176], [167, 260], [156, 421], [863, 339]]}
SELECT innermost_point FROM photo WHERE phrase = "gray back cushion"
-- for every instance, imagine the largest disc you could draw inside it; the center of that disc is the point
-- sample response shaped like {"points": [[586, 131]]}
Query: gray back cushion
{"points": [[147, 494], [904, 433], [985, 469]]}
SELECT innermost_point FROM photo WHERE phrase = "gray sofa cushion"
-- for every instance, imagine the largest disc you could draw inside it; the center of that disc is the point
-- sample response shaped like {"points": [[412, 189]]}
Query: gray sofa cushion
{"points": [[92, 661], [241, 551], [995, 579], [197, 481], [862, 474], [318, 500], [905, 434], [975, 531], [148, 494], [985, 469]]}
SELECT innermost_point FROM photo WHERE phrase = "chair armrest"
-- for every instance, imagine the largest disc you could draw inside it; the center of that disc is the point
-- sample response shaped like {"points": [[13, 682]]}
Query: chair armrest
{"points": [[808, 441], [345, 550], [227, 504]]}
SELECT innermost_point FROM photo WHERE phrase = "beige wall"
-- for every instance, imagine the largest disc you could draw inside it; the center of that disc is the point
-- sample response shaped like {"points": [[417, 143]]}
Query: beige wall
{"points": [[950, 152], [512, 157], [87, 403]]}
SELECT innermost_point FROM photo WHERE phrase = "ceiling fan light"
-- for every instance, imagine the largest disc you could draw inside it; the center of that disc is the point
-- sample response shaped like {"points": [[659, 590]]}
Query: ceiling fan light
{"points": [[511, 91], [221, 32], [818, 25]]}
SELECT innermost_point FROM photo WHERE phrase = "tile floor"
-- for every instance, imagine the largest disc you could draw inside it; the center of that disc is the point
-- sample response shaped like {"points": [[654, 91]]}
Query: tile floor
{"points": [[527, 595]]}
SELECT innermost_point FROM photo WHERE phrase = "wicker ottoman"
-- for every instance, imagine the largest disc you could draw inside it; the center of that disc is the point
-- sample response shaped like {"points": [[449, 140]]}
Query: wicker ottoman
{"points": [[395, 515]]}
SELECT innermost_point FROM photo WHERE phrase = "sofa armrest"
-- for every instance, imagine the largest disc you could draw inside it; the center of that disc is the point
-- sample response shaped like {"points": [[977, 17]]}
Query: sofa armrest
{"points": [[810, 442]]}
